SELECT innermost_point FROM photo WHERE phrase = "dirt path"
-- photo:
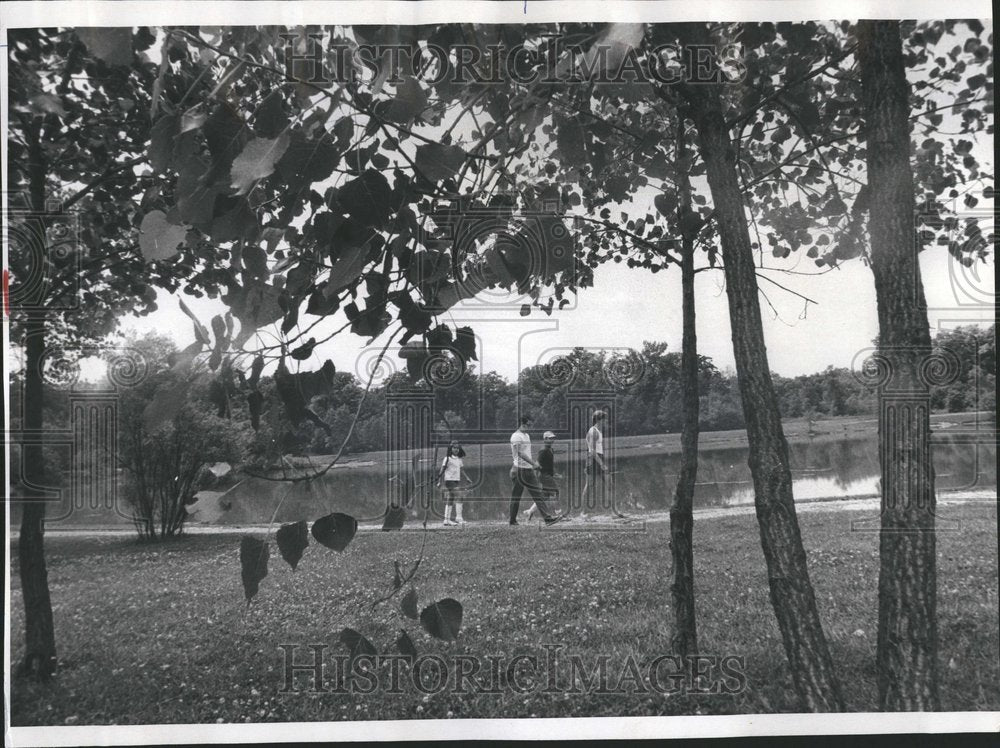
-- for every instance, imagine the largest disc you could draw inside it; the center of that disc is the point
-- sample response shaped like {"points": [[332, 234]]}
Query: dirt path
{"points": [[594, 522]]}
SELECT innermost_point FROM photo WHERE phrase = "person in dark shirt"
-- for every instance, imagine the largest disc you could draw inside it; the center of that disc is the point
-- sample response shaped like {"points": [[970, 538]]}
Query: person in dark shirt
{"points": [[547, 473]]}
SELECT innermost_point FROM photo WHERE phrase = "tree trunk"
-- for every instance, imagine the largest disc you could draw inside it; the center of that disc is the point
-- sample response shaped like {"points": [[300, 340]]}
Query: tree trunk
{"points": [[685, 637], [906, 658], [39, 633], [792, 594]]}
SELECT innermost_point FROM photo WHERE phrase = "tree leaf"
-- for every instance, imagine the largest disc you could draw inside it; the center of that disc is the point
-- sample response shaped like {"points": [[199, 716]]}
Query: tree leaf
{"points": [[255, 306], [161, 142], [321, 305], [195, 200], [665, 204], [111, 44], [298, 279], [570, 141], [356, 643], [415, 366], [200, 331], [256, 161], [219, 331], [255, 370], [395, 516], [367, 199], [255, 261], [238, 222], [306, 161], [304, 351], [442, 619], [293, 539], [452, 293], [290, 394], [225, 134], [335, 530], [465, 344], [409, 604], [253, 563], [255, 404], [405, 644], [437, 162], [192, 121], [158, 238], [270, 119], [370, 323], [46, 103], [409, 102], [347, 268]]}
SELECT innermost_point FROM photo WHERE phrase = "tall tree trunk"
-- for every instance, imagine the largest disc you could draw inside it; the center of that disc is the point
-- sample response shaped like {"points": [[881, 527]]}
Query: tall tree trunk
{"points": [[791, 591], [39, 632], [906, 658], [685, 636]]}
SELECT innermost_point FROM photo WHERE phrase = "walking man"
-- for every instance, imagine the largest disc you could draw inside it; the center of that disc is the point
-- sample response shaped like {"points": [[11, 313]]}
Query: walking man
{"points": [[595, 468], [522, 473], [547, 474]]}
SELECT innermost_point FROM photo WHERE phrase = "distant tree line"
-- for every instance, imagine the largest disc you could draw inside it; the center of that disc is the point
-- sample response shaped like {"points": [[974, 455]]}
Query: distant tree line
{"points": [[647, 385], [646, 382]]}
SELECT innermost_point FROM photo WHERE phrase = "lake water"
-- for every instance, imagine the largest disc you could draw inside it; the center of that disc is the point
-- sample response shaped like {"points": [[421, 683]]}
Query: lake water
{"points": [[643, 480]]}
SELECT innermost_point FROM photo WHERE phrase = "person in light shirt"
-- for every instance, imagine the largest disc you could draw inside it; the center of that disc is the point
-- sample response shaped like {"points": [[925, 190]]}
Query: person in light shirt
{"points": [[595, 468], [522, 474]]}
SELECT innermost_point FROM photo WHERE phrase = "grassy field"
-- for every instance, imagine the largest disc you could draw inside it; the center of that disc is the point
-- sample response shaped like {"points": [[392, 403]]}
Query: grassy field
{"points": [[160, 633]]}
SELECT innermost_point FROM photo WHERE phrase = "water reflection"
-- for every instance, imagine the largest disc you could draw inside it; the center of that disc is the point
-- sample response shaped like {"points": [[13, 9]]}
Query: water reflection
{"points": [[644, 479], [822, 469]]}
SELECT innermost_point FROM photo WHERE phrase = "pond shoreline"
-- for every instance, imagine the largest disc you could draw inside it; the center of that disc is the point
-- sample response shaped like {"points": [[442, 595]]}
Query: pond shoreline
{"points": [[797, 431], [835, 461], [592, 523]]}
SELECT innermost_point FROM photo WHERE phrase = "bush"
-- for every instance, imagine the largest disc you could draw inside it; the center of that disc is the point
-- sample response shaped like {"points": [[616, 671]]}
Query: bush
{"points": [[168, 466]]}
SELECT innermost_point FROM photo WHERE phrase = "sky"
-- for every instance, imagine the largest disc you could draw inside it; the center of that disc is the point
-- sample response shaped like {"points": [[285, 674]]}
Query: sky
{"points": [[628, 306]]}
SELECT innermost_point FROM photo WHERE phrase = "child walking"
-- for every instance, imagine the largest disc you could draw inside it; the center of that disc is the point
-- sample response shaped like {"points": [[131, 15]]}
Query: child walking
{"points": [[547, 477], [449, 478]]}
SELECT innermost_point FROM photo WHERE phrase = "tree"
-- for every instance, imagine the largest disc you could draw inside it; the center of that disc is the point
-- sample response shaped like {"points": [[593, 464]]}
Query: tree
{"points": [[906, 657], [791, 591], [824, 113], [72, 262], [685, 637], [165, 464]]}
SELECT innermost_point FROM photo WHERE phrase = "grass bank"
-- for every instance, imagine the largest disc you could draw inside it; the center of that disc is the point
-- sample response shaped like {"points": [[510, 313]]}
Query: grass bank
{"points": [[160, 633], [797, 430]]}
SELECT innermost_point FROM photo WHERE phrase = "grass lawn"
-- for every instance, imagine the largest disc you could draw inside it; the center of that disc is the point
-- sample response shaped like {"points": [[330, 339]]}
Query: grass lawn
{"points": [[161, 634]]}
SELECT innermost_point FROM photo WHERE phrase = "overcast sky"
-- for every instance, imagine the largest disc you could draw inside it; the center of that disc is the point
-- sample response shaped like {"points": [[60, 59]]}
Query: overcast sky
{"points": [[628, 306]]}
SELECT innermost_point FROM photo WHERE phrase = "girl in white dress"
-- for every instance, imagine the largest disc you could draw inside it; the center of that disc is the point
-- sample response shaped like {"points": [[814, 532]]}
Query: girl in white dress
{"points": [[449, 479]]}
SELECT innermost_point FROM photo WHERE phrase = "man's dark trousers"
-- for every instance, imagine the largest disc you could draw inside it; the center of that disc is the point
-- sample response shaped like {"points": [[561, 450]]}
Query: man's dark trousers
{"points": [[525, 478]]}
